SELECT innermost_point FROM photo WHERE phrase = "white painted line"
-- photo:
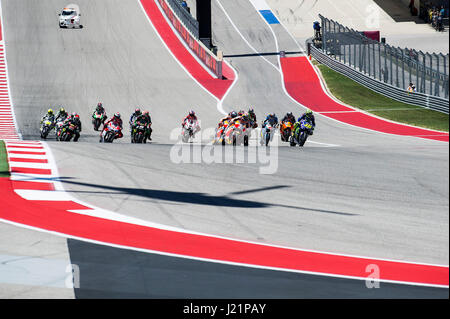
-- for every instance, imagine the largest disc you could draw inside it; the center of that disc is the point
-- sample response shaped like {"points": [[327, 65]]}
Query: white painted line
{"points": [[28, 156], [29, 165], [30, 194], [324, 144], [31, 150], [33, 177]]}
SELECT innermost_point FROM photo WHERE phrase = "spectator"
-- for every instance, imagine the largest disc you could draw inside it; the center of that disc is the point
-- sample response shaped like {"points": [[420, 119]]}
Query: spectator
{"points": [[185, 5], [317, 28], [440, 24], [411, 88]]}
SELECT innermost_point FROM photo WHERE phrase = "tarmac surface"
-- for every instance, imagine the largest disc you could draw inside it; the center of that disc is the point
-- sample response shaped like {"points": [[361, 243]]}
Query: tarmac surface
{"points": [[350, 190]]}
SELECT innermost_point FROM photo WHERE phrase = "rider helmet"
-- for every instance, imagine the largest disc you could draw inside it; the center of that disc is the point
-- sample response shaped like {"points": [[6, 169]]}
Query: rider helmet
{"points": [[137, 111], [146, 113], [117, 115], [62, 110], [233, 114], [99, 104], [50, 111], [191, 113]]}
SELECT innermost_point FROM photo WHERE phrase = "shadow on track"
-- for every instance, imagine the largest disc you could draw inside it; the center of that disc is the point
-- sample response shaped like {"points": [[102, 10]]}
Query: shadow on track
{"points": [[192, 198], [260, 54]]}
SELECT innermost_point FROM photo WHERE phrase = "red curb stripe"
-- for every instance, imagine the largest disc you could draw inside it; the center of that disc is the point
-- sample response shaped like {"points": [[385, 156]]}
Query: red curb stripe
{"points": [[27, 160], [25, 152], [51, 217], [29, 146], [216, 86], [303, 84], [33, 185], [28, 170]]}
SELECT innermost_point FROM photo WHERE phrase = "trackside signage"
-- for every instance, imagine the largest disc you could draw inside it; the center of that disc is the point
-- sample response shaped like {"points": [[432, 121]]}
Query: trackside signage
{"points": [[206, 56]]}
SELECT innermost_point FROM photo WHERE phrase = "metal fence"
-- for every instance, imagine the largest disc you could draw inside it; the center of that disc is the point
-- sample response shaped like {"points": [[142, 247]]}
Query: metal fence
{"points": [[398, 67], [185, 16], [420, 99]]}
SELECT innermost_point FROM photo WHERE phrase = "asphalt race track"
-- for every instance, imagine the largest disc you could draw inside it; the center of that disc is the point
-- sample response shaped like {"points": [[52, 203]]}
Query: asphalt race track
{"points": [[348, 191]]}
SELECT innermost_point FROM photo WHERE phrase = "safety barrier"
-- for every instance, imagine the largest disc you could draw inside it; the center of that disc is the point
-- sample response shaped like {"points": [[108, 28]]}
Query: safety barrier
{"points": [[209, 59], [395, 93], [186, 17]]}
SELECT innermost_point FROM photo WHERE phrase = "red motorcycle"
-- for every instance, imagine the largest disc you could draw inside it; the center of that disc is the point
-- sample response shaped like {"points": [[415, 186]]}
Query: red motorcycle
{"points": [[110, 133]]}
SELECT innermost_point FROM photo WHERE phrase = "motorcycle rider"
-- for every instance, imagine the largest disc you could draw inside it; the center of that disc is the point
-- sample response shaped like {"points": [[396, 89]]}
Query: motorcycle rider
{"points": [[132, 121], [100, 110], [134, 116], [116, 120], [289, 117], [145, 120], [191, 117], [61, 115], [60, 118], [229, 117], [271, 119], [252, 117], [308, 116], [50, 116], [74, 119]]}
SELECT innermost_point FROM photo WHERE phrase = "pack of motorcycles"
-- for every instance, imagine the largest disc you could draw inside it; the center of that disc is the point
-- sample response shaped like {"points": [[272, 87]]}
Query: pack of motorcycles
{"points": [[234, 132]]}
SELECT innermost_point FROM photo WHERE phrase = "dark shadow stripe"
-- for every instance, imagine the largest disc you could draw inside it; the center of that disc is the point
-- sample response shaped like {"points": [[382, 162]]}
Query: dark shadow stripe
{"points": [[107, 272]]}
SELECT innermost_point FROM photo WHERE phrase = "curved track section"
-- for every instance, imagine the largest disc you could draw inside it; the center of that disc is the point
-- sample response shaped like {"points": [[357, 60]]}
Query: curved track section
{"points": [[349, 191]]}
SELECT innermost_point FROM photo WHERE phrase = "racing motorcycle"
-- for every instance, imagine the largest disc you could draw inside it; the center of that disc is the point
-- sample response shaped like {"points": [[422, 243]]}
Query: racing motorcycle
{"points": [[286, 131], [236, 134], [219, 138], [98, 119], [66, 133], [300, 135], [46, 127], [267, 134], [110, 133], [139, 134], [58, 128], [189, 129]]}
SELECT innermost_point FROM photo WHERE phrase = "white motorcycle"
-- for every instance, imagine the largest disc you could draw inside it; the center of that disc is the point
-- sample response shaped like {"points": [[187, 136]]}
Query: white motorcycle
{"points": [[189, 129], [267, 133]]}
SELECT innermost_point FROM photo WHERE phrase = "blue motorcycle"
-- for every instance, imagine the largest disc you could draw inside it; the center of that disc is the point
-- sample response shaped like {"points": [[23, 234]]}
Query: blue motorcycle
{"points": [[301, 133]]}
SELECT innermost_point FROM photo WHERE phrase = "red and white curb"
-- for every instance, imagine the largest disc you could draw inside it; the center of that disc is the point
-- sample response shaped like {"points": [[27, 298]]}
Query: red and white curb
{"points": [[7, 122], [34, 198]]}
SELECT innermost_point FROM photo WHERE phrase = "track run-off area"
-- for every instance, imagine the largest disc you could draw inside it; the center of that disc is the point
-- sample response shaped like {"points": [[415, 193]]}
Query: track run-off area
{"points": [[366, 200]]}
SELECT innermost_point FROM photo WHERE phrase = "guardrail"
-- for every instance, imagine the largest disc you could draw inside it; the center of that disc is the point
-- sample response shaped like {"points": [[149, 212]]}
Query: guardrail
{"points": [[186, 17], [209, 59], [394, 65], [419, 99]]}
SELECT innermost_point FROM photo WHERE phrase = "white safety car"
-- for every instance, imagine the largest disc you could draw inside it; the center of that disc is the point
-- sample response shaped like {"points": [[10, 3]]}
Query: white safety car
{"points": [[70, 17]]}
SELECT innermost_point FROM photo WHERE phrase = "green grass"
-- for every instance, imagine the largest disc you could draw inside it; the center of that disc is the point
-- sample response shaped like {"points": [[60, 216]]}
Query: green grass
{"points": [[4, 167], [358, 96]]}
